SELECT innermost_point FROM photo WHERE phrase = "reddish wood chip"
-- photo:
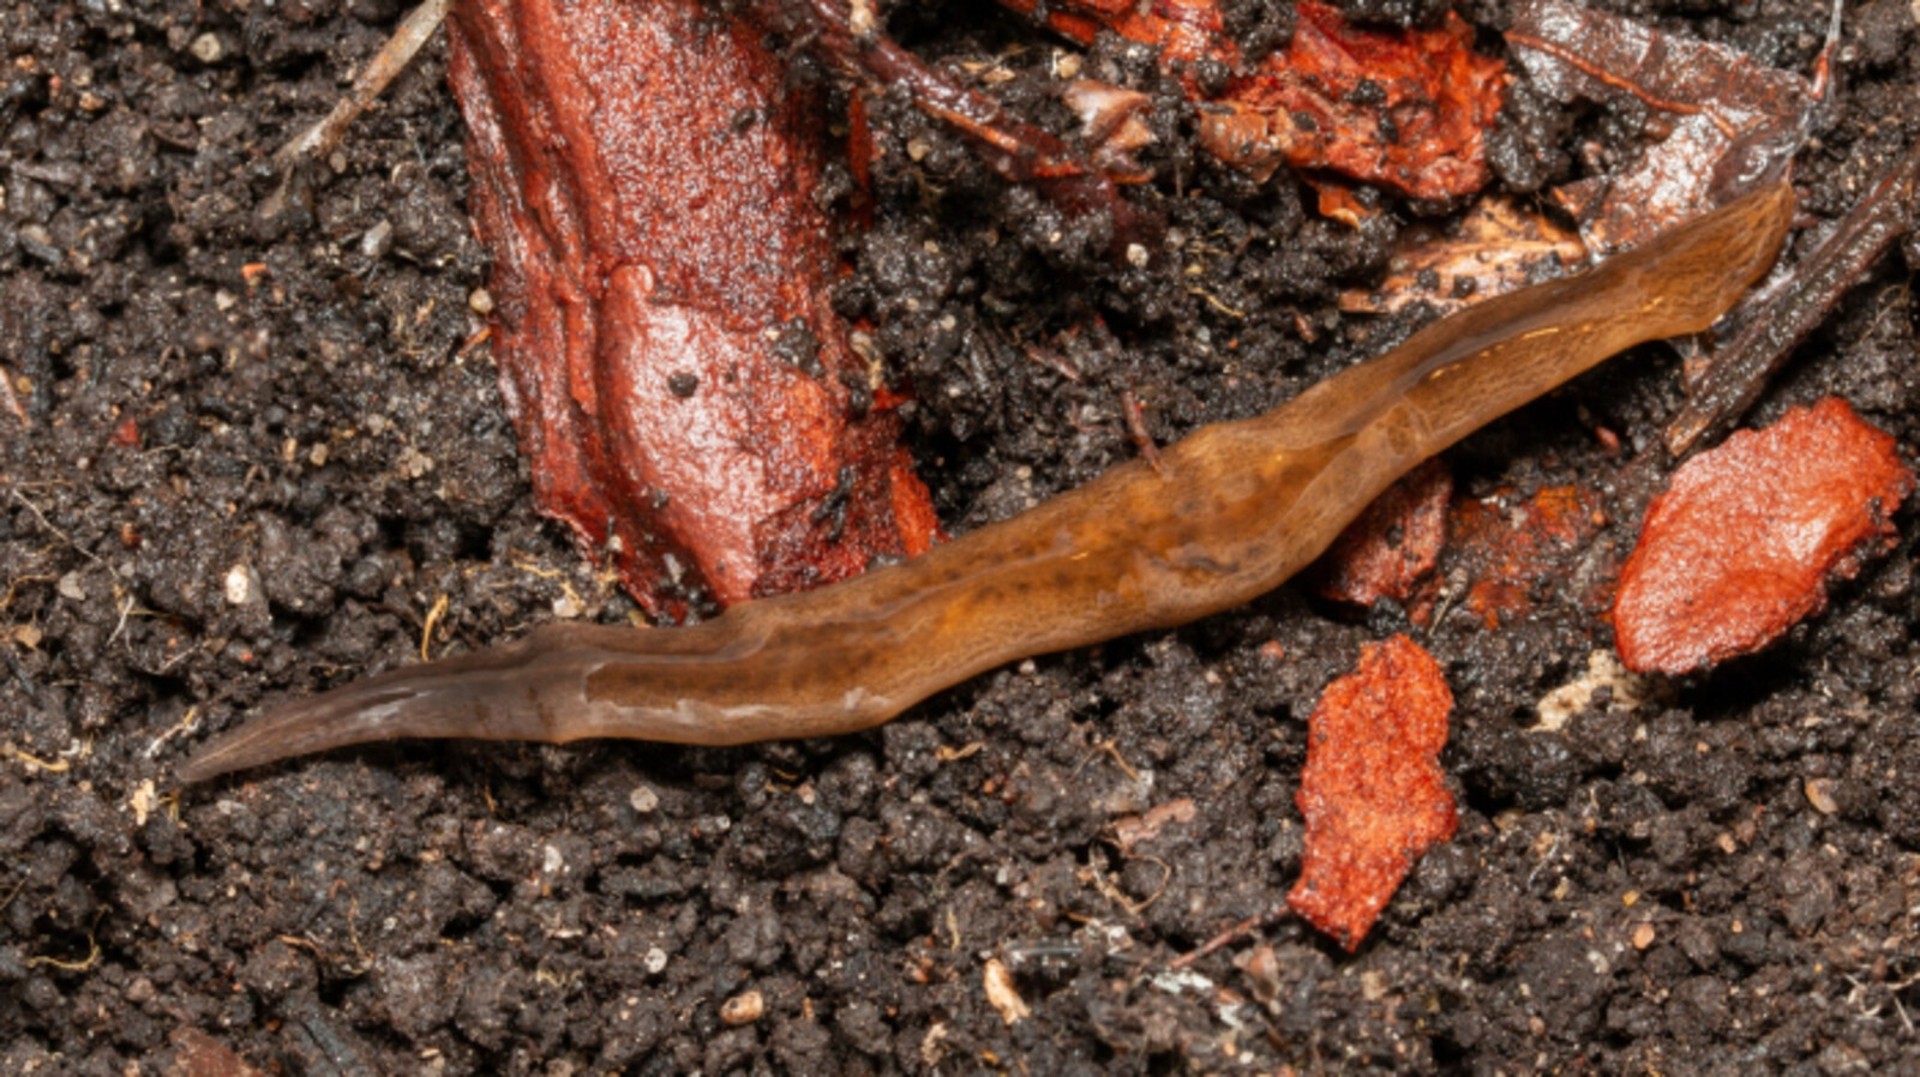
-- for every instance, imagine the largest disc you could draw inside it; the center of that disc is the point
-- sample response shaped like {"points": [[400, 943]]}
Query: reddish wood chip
{"points": [[644, 182], [1741, 545], [1406, 109], [1511, 551], [1373, 794], [1393, 544]]}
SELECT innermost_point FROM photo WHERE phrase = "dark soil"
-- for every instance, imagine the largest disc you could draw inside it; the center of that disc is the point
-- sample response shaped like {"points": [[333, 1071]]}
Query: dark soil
{"points": [[261, 461]]}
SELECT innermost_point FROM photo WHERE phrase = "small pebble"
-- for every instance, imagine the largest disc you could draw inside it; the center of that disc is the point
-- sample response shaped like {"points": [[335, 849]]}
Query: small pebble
{"points": [[1820, 795], [742, 1009], [241, 585], [207, 48]]}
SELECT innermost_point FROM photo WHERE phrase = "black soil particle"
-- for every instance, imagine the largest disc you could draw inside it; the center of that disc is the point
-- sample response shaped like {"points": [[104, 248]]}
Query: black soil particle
{"points": [[257, 453]]}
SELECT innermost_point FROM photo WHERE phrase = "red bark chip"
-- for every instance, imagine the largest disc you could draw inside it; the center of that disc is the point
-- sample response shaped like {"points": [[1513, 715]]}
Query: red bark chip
{"points": [[1393, 544], [644, 178], [1741, 545], [1373, 793], [1404, 109], [1512, 550]]}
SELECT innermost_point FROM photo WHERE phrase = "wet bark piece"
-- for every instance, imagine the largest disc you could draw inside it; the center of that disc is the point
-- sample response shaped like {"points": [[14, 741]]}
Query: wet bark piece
{"points": [[1732, 121], [1373, 794], [666, 345], [1393, 545], [1740, 547]]}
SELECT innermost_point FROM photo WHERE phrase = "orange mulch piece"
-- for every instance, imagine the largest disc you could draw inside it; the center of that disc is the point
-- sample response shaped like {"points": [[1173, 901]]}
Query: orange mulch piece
{"points": [[1510, 551], [1394, 544], [1741, 545], [1373, 794], [1184, 30], [1405, 109], [644, 178]]}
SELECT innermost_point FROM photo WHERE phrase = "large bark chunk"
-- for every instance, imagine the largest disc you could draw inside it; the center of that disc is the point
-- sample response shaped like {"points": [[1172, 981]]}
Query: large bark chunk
{"points": [[687, 396], [1740, 547]]}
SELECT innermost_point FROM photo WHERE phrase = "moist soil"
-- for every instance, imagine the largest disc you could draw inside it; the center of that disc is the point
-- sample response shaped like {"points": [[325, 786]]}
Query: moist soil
{"points": [[262, 453]]}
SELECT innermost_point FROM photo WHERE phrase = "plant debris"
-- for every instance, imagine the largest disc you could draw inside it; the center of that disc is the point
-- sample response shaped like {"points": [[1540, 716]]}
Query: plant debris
{"points": [[1781, 316], [1393, 545], [1405, 109], [846, 37], [1728, 121], [1373, 794], [1742, 543], [1499, 245], [644, 179], [1510, 549]]}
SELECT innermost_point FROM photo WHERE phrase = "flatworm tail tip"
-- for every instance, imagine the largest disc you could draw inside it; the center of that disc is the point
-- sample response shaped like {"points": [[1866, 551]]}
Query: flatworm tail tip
{"points": [[415, 701]]}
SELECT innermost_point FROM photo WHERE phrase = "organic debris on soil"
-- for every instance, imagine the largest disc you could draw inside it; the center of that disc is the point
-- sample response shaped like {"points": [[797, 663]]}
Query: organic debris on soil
{"points": [[1499, 245], [1373, 794], [644, 179], [1727, 119], [844, 37], [1511, 550], [1742, 544], [1650, 888], [1405, 109], [1394, 543], [1721, 389]]}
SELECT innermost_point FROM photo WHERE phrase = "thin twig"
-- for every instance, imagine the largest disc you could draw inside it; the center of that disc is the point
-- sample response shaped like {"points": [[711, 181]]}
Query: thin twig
{"points": [[386, 65], [1741, 370]]}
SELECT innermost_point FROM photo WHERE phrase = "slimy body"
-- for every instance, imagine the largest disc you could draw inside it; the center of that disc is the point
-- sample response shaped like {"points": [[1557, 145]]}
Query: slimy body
{"points": [[1228, 514]]}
